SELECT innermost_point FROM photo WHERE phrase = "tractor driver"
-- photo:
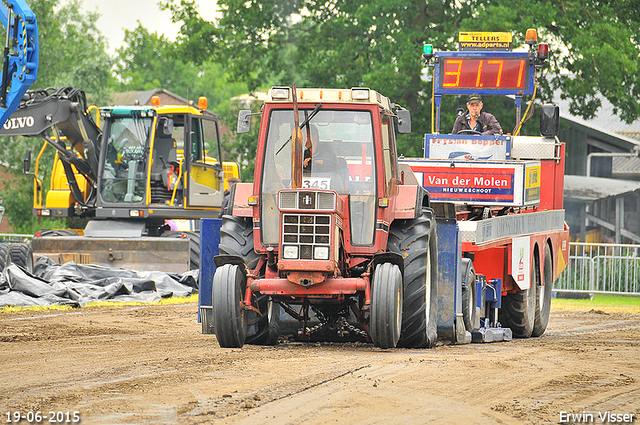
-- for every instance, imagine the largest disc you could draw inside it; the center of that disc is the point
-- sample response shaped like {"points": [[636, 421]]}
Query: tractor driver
{"points": [[475, 121], [320, 156]]}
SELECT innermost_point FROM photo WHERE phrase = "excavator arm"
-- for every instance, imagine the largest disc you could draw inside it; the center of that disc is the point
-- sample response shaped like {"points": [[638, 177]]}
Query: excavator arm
{"points": [[20, 55], [60, 117]]}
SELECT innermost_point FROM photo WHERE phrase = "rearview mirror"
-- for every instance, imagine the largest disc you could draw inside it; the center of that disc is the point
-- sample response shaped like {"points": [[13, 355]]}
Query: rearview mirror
{"points": [[26, 162], [549, 120], [404, 121], [244, 121]]}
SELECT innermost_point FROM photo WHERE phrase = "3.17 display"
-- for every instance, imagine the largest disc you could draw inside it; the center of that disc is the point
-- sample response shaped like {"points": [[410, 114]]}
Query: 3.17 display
{"points": [[485, 73]]}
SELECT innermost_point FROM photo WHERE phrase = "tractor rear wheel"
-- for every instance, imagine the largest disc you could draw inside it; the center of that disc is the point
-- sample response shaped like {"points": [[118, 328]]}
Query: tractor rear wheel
{"points": [[543, 299], [229, 283], [386, 305], [22, 256], [267, 328], [520, 307], [415, 240]]}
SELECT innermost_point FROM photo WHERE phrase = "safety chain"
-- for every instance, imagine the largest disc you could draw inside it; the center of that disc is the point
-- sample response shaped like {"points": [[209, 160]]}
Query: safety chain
{"points": [[317, 327], [352, 328]]}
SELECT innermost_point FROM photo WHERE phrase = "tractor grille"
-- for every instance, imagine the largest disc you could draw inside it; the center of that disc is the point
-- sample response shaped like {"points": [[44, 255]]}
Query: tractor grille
{"points": [[306, 237], [307, 200]]}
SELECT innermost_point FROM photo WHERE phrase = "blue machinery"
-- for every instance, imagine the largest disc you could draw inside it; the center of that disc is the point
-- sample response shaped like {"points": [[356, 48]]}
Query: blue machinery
{"points": [[20, 56]]}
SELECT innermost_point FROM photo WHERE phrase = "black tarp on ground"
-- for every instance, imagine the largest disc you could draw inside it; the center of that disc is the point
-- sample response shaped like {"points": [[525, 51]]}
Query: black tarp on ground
{"points": [[76, 284]]}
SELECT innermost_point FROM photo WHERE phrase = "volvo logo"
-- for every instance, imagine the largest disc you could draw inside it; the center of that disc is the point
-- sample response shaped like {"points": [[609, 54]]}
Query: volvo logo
{"points": [[307, 200], [20, 122]]}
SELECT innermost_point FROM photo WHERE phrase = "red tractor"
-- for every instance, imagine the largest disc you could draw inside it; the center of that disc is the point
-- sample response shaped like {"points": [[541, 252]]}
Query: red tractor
{"points": [[329, 232]]}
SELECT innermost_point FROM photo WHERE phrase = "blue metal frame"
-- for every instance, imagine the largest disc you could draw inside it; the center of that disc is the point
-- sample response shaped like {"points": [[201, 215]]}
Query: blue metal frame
{"points": [[493, 293], [209, 242], [23, 59], [449, 279]]}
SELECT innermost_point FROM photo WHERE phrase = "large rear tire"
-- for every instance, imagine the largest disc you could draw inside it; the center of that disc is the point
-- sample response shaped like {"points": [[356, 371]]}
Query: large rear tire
{"points": [[543, 299], [415, 240], [22, 256], [229, 284], [386, 305], [236, 238], [519, 308], [267, 328]]}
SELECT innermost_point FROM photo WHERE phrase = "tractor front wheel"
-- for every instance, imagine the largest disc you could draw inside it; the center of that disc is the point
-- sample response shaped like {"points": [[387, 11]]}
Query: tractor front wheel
{"points": [[386, 305], [229, 283]]}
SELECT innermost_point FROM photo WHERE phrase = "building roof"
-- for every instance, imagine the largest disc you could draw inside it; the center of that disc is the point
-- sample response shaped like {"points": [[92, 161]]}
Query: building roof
{"points": [[138, 97], [604, 121], [581, 188]]}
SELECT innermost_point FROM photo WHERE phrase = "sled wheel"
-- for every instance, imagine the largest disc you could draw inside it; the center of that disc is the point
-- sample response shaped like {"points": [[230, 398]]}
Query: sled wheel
{"points": [[543, 300], [519, 308], [469, 310]]}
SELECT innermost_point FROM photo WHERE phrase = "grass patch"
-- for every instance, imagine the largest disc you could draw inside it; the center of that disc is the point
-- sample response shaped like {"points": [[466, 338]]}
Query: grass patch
{"points": [[602, 302], [108, 303], [13, 309]]}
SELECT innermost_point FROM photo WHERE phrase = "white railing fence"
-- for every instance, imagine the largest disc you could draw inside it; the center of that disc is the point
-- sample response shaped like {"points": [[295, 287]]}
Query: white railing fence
{"points": [[601, 268]]}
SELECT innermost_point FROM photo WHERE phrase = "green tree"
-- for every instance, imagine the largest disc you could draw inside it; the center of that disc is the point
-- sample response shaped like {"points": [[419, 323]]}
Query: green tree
{"points": [[595, 48], [378, 44], [149, 61], [73, 52]]}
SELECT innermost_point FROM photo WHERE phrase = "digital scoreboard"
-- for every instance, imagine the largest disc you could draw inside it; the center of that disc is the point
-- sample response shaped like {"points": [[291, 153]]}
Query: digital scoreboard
{"points": [[471, 72]]}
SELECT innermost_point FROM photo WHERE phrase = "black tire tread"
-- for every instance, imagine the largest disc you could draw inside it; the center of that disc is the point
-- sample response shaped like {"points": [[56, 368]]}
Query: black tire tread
{"points": [[518, 308], [229, 316], [387, 285], [542, 314], [5, 257], [236, 238], [415, 240], [22, 256], [469, 311]]}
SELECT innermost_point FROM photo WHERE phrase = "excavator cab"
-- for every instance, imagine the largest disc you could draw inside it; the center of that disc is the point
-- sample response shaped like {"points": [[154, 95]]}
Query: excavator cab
{"points": [[160, 160]]}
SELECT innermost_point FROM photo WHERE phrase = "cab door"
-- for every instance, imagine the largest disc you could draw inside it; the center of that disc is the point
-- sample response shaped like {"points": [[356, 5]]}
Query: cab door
{"points": [[205, 178]]}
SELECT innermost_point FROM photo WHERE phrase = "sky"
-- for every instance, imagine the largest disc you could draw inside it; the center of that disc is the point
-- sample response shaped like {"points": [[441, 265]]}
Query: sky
{"points": [[118, 15]]}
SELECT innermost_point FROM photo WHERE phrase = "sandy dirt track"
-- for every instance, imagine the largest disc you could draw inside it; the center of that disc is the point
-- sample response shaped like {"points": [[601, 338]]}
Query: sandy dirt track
{"points": [[152, 365]]}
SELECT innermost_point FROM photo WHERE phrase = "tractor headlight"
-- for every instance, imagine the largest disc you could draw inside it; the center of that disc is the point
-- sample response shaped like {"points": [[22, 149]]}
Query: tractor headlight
{"points": [[321, 253], [290, 252], [359, 94]]}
